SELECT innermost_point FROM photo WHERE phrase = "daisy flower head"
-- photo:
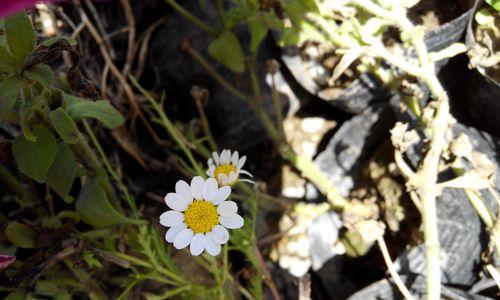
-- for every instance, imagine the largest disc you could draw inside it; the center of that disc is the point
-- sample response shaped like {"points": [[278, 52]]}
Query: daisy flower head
{"points": [[226, 167], [200, 216]]}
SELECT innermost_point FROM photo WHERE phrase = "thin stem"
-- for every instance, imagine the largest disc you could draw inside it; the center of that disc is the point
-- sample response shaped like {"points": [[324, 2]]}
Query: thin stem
{"points": [[11, 181], [216, 75], [392, 270], [317, 177], [110, 169], [192, 18], [169, 126], [277, 109], [92, 162], [205, 125]]}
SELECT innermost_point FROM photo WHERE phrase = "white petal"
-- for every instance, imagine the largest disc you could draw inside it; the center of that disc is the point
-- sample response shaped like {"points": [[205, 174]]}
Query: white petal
{"points": [[234, 158], [183, 239], [172, 232], [182, 188], [225, 157], [198, 244], [210, 189], [212, 247], [210, 171], [210, 162], [216, 157], [247, 180], [232, 176], [176, 201], [241, 162], [171, 218], [245, 172], [223, 179], [220, 234], [233, 222], [221, 195], [197, 187], [227, 208]]}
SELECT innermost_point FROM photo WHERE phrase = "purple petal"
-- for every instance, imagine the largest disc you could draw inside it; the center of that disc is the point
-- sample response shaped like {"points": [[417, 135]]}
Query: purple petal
{"points": [[6, 260]]}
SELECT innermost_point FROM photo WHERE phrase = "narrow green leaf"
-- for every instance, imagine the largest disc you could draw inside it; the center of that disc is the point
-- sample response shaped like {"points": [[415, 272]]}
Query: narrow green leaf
{"points": [[226, 49], [101, 110], [21, 37], [40, 73], [94, 208], [20, 235], [35, 158], [258, 31], [62, 173], [64, 125], [9, 92]]}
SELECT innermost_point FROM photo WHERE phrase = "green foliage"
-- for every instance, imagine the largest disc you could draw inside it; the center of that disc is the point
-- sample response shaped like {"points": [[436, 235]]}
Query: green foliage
{"points": [[94, 208], [64, 125], [61, 175], [494, 3], [9, 92], [21, 37], [35, 158], [226, 49], [101, 110], [20, 235], [41, 74]]}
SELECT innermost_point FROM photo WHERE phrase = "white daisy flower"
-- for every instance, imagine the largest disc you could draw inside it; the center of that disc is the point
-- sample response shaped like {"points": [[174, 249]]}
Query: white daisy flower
{"points": [[227, 167], [200, 215]]}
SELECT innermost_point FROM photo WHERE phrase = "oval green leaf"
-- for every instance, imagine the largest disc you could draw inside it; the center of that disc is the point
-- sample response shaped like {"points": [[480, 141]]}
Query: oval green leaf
{"points": [[35, 158], [40, 73], [9, 92], [226, 49], [64, 125], [21, 37], [62, 173], [94, 208], [20, 235], [101, 110]]}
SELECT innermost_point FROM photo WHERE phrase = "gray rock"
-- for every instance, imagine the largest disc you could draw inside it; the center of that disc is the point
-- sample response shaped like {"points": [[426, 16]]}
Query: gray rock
{"points": [[322, 234], [386, 290], [352, 145]]}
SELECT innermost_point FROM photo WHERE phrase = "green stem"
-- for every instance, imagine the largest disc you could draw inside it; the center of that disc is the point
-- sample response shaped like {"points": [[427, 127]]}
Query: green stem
{"points": [[216, 75], [145, 264], [316, 176], [92, 162], [111, 171], [192, 18], [169, 126], [11, 181]]}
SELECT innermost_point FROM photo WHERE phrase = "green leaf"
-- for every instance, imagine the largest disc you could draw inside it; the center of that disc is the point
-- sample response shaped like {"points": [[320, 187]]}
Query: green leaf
{"points": [[64, 125], [9, 92], [494, 3], [61, 175], [20, 235], [226, 49], [35, 158], [91, 261], [45, 288], [17, 295], [7, 63], [49, 42], [40, 73], [94, 208], [21, 37], [258, 31], [101, 110]]}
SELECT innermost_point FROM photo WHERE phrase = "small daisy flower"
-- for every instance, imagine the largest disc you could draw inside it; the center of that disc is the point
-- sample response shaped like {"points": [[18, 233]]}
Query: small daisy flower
{"points": [[200, 215], [227, 167]]}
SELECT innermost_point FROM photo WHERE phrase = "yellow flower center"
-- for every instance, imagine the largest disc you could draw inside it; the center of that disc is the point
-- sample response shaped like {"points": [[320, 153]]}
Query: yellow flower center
{"points": [[201, 216], [224, 169]]}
